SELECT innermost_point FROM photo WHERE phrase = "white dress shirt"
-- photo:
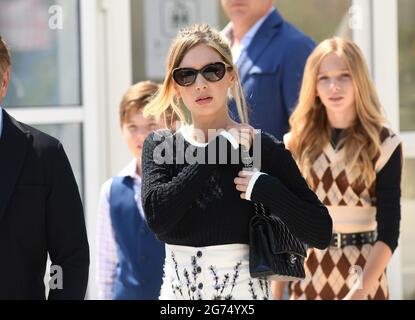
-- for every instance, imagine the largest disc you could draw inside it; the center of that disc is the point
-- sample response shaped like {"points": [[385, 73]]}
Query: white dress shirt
{"points": [[246, 39]]}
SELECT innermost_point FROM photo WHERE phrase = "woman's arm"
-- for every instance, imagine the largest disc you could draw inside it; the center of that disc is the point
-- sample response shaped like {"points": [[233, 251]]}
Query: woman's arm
{"points": [[388, 200], [376, 264], [288, 196], [388, 215]]}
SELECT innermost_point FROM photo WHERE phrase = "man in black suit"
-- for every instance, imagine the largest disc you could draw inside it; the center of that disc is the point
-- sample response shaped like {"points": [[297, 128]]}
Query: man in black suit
{"points": [[40, 211]]}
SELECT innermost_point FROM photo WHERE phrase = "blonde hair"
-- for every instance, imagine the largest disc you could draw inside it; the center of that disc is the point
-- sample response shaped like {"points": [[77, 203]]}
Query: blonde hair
{"points": [[5, 60], [310, 128], [186, 39]]}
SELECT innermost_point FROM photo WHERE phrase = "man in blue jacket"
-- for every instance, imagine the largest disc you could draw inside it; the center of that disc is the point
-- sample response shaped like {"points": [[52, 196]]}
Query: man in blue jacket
{"points": [[270, 54]]}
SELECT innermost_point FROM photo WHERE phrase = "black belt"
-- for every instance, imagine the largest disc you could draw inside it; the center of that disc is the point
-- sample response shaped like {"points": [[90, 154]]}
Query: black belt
{"points": [[353, 239]]}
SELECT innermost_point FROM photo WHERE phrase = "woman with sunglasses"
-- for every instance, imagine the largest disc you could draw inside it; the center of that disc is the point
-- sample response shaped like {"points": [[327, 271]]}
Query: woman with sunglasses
{"points": [[196, 197]]}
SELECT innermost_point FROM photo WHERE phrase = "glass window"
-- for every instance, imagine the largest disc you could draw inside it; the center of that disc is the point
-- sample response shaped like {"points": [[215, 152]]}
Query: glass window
{"points": [[406, 27], [320, 19], [406, 9], [44, 39], [70, 135], [407, 239]]}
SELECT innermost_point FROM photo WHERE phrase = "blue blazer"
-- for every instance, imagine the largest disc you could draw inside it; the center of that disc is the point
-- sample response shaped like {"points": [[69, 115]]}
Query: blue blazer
{"points": [[271, 71]]}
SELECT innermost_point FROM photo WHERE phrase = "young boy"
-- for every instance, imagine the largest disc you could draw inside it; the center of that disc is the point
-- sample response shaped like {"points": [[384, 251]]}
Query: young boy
{"points": [[130, 258]]}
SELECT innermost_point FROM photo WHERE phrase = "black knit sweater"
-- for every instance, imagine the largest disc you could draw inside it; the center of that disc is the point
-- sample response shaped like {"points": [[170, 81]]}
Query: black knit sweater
{"points": [[198, 205]]}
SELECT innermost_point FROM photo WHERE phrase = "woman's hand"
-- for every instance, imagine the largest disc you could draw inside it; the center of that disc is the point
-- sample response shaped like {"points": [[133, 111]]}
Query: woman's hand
{"points": [[376, 264], [242, 181], [356, 291]]}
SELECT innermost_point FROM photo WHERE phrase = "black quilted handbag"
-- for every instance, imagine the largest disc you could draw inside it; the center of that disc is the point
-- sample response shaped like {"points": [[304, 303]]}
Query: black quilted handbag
{"points": [[274, 252]]}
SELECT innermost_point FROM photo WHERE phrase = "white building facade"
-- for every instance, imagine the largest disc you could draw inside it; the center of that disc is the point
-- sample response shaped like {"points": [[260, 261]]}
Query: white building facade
{"points": [[91, 51]]}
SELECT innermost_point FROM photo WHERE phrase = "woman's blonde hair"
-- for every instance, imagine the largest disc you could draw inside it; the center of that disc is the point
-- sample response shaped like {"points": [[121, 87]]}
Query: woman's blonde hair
{"points": [[186, 39], [310, 128]]}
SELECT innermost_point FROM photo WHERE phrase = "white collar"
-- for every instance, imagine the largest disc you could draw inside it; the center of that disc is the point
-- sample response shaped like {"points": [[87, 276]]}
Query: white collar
{"points": [[248, 36], [185, 132], [130, 170]]}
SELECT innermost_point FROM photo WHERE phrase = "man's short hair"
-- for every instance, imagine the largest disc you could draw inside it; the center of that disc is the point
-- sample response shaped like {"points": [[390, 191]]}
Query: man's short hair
{"points": [[5, 59]]}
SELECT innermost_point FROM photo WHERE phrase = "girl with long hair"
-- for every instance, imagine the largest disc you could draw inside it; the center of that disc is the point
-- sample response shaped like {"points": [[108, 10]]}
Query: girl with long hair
{"points": [[353, 161], [196, 195]]}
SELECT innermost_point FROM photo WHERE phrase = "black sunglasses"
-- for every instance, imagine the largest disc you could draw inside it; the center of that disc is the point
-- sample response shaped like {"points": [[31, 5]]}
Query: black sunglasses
{"points": [[212, 72]]}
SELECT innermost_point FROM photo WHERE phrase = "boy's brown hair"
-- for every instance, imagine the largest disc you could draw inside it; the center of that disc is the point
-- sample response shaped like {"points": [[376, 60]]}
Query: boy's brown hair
{"points": [[5, 59], [137, 97]]}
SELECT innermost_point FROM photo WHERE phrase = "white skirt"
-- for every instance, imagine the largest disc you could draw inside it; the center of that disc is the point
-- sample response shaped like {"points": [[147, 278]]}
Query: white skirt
{"points": [[210, 273]]}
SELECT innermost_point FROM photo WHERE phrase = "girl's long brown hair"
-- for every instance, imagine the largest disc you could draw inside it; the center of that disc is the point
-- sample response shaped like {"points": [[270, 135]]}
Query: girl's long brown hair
{"points": [[310, 128]]}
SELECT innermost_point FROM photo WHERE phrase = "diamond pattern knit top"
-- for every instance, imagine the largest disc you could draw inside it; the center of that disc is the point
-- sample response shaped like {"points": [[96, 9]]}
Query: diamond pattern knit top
{"points": [[353, 206]]}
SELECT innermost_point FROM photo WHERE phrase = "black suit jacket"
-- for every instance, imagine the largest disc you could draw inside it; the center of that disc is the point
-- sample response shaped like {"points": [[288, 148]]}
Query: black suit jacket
{"points": [[40, 213]]}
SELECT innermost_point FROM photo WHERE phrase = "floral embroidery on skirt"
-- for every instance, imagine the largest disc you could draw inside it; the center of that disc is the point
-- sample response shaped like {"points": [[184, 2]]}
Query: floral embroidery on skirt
{"points": [[210, 273]]}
